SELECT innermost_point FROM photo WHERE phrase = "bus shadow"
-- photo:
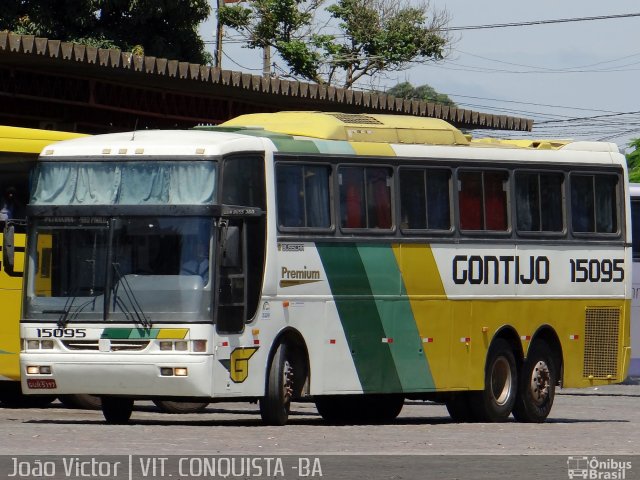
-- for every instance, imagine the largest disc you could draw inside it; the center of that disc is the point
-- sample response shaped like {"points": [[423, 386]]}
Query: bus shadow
{"points": [[309, 419]]}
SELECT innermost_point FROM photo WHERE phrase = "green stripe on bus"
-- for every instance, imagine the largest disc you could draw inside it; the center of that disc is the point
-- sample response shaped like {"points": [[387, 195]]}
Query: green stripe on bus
{"points": [[127, 333], [334, 147], [144, 333], [359, 317], [292, 145], [397, 318]]}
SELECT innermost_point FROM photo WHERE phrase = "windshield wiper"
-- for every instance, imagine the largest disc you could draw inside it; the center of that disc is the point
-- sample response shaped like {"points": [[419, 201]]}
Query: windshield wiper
{"points": [[63, 312], [138, 315]]}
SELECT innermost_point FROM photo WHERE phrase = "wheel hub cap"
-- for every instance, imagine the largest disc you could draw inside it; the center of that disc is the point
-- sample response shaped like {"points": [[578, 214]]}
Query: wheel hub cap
{"points": [[540, 382], [501, 381]]}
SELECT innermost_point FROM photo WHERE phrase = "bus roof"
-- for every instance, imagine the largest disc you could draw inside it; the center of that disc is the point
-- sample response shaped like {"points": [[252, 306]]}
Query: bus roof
{"points": [[354, 127], [30, 140], [160, 143]]}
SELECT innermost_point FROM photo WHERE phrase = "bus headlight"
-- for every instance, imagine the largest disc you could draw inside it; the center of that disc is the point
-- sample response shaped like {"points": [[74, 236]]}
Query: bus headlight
{"points": [[38, 370], [199, 345], [165, 345], [181, 346], [39, 344]]}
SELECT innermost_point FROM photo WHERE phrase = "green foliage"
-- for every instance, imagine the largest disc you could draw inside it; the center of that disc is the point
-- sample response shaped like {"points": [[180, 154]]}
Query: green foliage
{"points": [[161, 28], [423, 92], [371, 36], [633, 161]]}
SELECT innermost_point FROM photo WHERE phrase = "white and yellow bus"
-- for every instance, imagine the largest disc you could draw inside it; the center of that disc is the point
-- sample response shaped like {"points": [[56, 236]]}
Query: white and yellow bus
{"points": [[19, 150], [356, 260]]}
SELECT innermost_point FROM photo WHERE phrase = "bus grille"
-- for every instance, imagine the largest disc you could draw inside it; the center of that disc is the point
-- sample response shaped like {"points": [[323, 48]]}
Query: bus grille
{"points": [[116, 345], [601, 336]]}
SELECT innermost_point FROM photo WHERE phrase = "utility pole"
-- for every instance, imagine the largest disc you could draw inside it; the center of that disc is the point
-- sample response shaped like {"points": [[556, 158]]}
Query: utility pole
{"points": [[218, 55], [266, 61]]}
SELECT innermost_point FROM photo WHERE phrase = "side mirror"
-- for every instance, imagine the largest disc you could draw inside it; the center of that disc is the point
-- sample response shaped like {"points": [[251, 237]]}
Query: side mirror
{"points": [[8, 248]]}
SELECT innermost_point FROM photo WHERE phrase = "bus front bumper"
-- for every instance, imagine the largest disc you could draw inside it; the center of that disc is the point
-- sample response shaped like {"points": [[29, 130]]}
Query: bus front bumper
{"points": [[139, 375]]}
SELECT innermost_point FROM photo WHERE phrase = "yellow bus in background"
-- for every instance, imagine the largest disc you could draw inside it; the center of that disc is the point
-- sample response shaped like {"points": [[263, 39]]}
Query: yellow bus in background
{"points": [[19, 150]]}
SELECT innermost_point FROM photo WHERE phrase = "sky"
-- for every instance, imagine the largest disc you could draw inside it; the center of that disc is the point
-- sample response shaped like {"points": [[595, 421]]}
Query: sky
{"points": [[561, 75]]}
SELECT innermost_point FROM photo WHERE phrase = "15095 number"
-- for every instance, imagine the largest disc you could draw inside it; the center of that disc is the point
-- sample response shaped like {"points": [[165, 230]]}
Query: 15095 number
{"points": [[595, 270], [61, 332]]}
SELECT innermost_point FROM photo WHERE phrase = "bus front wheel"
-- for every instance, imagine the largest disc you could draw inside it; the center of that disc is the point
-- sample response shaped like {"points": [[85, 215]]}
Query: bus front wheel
{"points": [[537, 385], [117, 410], [275, 405], [495, 402]]}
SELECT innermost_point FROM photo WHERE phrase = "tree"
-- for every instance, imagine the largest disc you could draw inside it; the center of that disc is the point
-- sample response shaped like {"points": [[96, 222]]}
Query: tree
{"points": [[423, 92], [161, 28], [360, 38], [633, 161]]}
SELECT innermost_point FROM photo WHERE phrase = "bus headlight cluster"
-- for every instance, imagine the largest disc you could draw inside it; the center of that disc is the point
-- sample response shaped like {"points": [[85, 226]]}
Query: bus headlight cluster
{"points": [[174, 371], [38, 370], [183, 345], [39, 344]]}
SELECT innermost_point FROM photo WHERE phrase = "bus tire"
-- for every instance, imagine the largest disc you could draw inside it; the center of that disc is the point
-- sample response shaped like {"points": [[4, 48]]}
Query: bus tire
{"points": [[117, 410], [169, 406], [86, 402], [276, 404], [496, 401], [459, 407], [537, 385]]}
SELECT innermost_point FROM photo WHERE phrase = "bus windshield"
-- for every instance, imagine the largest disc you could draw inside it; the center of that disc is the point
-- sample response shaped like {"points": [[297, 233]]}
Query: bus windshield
{"points": [[125, 269]]}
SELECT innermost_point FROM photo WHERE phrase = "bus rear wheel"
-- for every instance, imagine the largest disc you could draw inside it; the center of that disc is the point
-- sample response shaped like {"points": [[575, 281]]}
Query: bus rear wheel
{"points": [[537, 385], [276, 404], [495, 402], [117, 410]]}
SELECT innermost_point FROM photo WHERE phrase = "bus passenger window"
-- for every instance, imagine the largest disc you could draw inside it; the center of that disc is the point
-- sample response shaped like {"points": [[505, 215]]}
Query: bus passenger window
{"points": [[539, 202], [303, 196], [495, 201], [470, 201], [482, 201], [365, 197], [424, 199], [378, 198], [593, 203], [352, 200]]}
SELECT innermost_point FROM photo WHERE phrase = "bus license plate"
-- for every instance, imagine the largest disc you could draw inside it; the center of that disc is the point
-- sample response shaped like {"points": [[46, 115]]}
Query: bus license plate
{"points": [[41, 383]]}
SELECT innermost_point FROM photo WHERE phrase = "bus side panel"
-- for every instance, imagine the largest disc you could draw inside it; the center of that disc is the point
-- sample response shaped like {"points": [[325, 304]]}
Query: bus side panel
{"points": [[10, 297]]}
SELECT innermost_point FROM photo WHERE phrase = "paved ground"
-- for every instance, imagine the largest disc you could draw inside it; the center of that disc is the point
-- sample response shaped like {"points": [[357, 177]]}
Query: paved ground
{"points": [[604, 421]]}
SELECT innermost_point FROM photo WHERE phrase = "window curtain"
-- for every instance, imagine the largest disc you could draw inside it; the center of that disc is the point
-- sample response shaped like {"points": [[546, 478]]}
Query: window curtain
{"points": [[124, 183]]}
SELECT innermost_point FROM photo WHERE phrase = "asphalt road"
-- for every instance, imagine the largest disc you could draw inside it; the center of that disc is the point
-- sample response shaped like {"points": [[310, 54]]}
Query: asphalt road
{"points": [[598, 423]]}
